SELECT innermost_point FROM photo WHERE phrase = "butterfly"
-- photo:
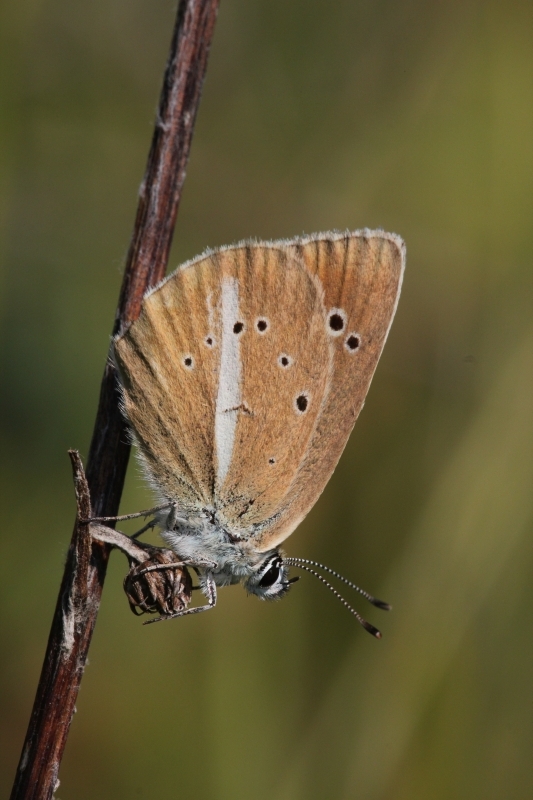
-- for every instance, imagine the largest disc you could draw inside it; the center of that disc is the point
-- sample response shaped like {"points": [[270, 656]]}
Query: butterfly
{"points": [[242, 379]]}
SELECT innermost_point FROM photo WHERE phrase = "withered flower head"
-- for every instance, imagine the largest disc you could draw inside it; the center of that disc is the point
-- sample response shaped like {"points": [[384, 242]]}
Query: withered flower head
{"points": [[155, 587]]}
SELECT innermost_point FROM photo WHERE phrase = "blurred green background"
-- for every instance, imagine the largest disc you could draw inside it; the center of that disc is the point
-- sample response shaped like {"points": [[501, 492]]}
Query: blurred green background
{"points": [[412, 116]]}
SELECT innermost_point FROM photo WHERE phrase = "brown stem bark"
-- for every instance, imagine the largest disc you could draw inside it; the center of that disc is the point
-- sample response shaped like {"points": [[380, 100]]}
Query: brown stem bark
{"points": [[85, 568]]}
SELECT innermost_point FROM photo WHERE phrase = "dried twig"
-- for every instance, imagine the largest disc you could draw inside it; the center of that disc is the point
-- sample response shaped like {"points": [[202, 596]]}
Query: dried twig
{"points": [[81, 587]]}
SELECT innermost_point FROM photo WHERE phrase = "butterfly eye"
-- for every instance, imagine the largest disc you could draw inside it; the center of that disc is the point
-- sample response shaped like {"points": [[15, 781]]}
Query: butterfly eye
{"points": [[269, 581], [270, 577]]}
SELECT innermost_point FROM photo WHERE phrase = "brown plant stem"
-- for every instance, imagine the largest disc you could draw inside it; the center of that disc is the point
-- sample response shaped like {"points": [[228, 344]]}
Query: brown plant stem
{"points": [[86, 563]]}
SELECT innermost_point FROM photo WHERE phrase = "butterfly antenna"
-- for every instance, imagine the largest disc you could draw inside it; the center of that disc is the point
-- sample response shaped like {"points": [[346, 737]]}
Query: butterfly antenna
{"points": [[299, 562], [366, 625]]}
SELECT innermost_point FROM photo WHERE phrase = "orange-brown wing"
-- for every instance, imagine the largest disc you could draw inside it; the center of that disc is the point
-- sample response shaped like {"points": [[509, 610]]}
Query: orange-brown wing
{"points": [[361, 275], [168, 361], [225, 374], [273, 380], [247, 369]]}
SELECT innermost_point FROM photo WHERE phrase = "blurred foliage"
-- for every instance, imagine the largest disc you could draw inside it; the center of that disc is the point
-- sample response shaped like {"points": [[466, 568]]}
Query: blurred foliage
{"points": [[412, 116]]}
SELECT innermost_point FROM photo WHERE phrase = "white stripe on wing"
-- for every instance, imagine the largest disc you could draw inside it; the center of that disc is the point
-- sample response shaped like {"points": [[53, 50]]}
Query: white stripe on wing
{"points": [[229, 382]]}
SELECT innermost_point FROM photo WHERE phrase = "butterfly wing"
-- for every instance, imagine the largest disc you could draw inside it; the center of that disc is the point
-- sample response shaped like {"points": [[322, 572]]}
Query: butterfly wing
{"points": [[273, 386], [247, 368], [361, 275], [224, 375], [168, 365]]}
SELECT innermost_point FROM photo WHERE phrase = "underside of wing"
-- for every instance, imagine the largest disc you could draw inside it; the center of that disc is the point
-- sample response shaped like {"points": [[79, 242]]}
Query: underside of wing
{"points": [[361, 275], [275, 373], [168, 360], [224, 377], [247, 368]]}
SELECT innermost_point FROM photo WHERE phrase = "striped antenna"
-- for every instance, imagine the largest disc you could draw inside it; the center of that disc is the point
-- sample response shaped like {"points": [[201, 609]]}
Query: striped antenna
{"points": [[299, 562], [303, 563]]}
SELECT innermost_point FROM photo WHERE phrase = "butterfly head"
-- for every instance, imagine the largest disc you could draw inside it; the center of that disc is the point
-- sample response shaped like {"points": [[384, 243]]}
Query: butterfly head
{"points": [[270, 580]]}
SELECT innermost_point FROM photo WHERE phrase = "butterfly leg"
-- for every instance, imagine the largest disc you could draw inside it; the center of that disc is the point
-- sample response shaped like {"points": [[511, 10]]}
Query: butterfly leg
{"points": [[172, 517], [148, 512], [170, 522], [211, 591], [187, 562], [147, 527]]}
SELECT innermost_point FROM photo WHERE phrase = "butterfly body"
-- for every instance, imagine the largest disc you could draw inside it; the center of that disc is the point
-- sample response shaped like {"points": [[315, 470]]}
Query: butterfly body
{"points": [[242, 379], [235, 562]]}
